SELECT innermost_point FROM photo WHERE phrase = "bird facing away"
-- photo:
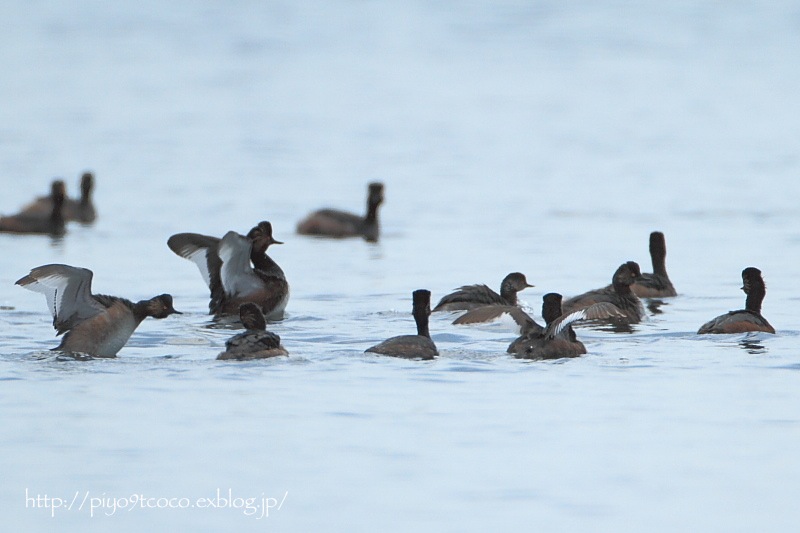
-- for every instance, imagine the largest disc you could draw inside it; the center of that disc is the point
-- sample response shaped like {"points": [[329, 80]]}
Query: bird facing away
{"points": [[419, 346], [256, 342], [339, 224], [619, 294], [473, 296], [237, 269], [749, 318], [47, 222], [95, 324], [558, 340], [81, 210], [657, 284]]}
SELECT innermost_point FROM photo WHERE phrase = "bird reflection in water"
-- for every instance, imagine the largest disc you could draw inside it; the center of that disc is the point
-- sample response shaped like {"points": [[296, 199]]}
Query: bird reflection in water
{"points": [[753, 346], [654, 305]]}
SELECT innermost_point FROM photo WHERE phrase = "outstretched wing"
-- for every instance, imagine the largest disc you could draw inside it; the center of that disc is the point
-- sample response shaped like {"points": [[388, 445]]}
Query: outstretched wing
{"points": [[471, 294], [68, 291], [598, 311], [201, 250], [488, 313], [234, 251]]}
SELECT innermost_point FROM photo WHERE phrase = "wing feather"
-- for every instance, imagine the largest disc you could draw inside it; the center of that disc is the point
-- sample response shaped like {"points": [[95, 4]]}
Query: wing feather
{"points": [[236, 273], [488, 313], [199, 249], [598, 311], [68, 291]]}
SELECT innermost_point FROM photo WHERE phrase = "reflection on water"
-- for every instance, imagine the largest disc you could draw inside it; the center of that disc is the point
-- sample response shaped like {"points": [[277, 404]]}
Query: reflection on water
{"points": [[227, 322], [654, 305], [58, 356], [76, 356], [752, 345], [608, 326]]}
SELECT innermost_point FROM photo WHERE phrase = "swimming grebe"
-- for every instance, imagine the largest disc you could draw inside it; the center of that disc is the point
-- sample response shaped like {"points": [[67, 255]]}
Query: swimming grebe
{"points": [[339, 224], [256, 342], [95, 324], [749, 318], [419, 346]]}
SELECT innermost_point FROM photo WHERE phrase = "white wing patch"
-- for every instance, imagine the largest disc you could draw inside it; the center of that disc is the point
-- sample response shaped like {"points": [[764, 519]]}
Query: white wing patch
{"points": [[68, 291], [196, 248], [53, 288], [597, 311], [562, 323], [198, 256], [510, 316]]}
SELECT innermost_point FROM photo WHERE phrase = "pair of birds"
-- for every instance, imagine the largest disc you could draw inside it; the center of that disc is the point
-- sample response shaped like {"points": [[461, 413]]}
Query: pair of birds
{"points": [[100, 325], [48, 215], [243, 280], [617, 303]]}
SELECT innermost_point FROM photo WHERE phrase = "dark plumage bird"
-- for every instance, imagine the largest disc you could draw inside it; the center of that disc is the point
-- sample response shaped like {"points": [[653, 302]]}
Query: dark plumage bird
{"points": [[529, 329], [749, 318], [558, 340], [49, 222], [95, 324], [225, 265], [339, 224], [80, 210], [619, 294], [657, 284], [256, 342], [419, 346], [474, 296]]}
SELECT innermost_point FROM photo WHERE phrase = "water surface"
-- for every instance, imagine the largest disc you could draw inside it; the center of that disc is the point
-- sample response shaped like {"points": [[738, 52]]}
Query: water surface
{"points": [[540, 138]]}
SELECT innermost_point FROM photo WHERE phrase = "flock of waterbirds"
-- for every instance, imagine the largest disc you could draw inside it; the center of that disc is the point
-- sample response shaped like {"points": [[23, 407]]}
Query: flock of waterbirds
{"points": [[245, 282]]}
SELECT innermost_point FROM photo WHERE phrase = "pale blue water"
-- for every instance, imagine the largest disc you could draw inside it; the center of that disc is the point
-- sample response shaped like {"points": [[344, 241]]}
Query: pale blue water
{"points": [[515, 136]]}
